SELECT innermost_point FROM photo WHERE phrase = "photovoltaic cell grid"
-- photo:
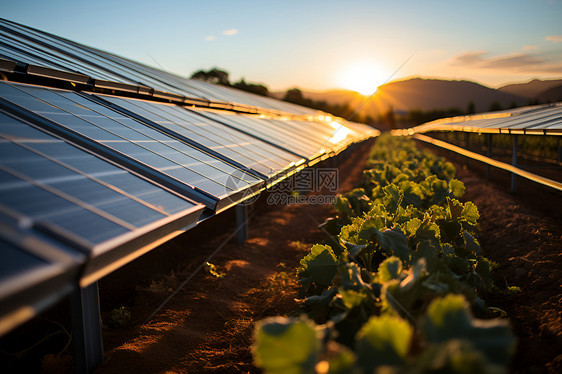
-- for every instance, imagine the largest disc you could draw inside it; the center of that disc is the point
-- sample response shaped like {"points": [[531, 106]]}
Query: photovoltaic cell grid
{"points": [[281, 133], [539, 120], [122, 135], [247, 150], [87, 204], [34, 272], [50, 183]]}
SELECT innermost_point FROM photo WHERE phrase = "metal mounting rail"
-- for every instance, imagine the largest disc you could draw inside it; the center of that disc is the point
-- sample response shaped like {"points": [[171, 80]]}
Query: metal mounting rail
{"points": [[500, 165]]}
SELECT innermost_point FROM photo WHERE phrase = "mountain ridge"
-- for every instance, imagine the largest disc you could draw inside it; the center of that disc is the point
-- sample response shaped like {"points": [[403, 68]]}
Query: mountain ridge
{"points": [[428, 94]]}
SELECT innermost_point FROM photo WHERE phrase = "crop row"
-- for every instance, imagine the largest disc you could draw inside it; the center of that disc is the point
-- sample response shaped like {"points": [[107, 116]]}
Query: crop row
{"points": [[398, 284]]}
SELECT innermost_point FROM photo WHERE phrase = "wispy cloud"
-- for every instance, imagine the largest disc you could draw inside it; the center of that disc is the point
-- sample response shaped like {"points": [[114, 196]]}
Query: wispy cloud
{"points": [[514, 62], [554, 38], [209, 38], [530, 47], [230, 32]]}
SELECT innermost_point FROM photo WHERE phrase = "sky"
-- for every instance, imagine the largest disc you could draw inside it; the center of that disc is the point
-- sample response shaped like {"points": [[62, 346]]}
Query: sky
{"points": [[317, 45]]}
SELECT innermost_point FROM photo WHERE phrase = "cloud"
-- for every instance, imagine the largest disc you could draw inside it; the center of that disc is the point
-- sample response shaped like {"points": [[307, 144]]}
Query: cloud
{"points": [[530, 47], [514, 62], [230, 32], [209, 38], [554, 38]]}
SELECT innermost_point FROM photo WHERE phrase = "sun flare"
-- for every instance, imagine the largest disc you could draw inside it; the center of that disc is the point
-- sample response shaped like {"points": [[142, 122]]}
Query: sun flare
{"points": [[363, 77]]}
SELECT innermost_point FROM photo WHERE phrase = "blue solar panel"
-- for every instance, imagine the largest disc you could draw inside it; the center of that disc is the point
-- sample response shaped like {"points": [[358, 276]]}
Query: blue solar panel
{"points": [[46, 180], [244, 149], [15, 261], [161, 153], [273, 132], [35, 272]]}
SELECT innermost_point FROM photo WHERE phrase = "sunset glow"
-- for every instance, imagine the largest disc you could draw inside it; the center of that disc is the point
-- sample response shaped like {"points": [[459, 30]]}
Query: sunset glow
{"points": [[363, 77]]}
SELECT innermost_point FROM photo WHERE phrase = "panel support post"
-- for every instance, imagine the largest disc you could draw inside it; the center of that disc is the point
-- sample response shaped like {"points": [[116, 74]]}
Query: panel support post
{"points": [[86, 328], [514, 163], [489, 154], [560, 149], [241, 223]]}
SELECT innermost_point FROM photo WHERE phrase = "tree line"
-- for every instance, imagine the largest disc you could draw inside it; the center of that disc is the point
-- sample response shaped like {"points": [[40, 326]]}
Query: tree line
{"points": [[293, 95]]}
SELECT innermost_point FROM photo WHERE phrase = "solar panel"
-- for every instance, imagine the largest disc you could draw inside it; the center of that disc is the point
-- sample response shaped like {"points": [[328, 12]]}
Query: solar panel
{"points": [[542, 119], [82, 200], [33, 53], [29, 46], [90, 180], [35, 272], [159, 155], [273, 132], [244, 149], [65, 190]]}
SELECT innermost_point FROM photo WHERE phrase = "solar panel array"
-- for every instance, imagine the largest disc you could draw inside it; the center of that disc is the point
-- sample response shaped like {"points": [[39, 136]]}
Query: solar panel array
{"points": [[102, 158], [531, 120]]}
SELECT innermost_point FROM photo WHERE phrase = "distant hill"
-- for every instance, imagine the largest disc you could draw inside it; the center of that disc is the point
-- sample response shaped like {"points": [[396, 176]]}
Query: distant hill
{"points": [[531, 89], [428, 94], [552, 95], [423, 94]]}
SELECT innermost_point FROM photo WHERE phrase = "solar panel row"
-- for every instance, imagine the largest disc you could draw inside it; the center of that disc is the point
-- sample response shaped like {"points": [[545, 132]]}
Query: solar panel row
{"points": [[533, 120], [90, 181], [49, 55]]}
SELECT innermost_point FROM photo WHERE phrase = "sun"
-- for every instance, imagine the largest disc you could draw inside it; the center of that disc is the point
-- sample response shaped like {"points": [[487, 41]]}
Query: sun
{"points": [[363, 77]]}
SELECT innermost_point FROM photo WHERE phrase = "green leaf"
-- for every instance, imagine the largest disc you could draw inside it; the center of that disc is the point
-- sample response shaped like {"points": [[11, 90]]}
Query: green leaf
{"points": [[355, 250], [449, 318], [343, 361], [457, 265], [395, 243], [352, 299], [471, 244], [382, 341], [453, 357], [413, 194], [408, 297], [484, 269], [378, 215], [427, 250], [349, 277], [440, 191], [286, 346], [332, 225], [317, 307], [455, 208], [393, 196], [456, 188], [320, 265], [428, 230], [412, 226], [470, 213], [342, 205], [389, 269]]}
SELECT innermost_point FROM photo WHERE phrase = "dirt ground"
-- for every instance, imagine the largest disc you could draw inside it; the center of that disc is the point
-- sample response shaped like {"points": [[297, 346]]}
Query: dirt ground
{"points": [[207, 326], [523, 235]]}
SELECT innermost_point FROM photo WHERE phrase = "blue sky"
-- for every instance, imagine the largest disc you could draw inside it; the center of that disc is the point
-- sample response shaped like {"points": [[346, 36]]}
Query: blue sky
{"points": [[317, 44]]}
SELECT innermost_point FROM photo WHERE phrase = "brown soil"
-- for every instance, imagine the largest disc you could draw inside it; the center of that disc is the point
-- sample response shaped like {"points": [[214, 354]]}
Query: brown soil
{"points": [[526, 243], [207, 326]]}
